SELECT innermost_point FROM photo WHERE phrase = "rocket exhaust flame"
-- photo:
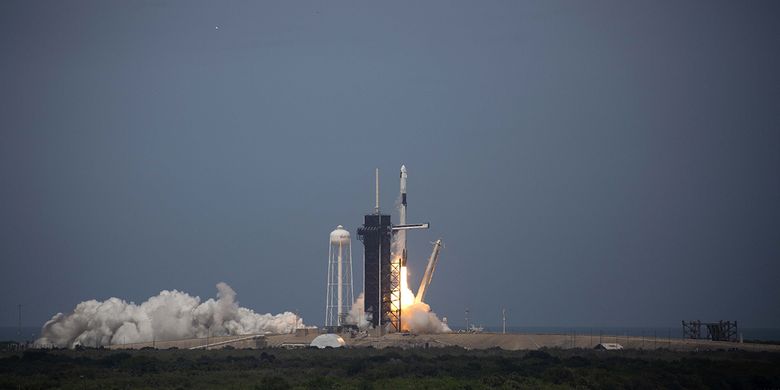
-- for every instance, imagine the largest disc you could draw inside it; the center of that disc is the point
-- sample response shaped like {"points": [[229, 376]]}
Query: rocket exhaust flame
{"points": [[417, 317], [407, 296]]}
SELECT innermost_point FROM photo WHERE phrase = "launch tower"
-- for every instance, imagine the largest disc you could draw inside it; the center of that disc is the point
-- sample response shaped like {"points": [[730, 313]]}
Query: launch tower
{"points": [[375, 234], [382, 267], [378, 284]]}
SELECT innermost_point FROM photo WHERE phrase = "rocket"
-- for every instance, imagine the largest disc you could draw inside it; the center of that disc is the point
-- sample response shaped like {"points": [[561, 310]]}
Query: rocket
{"points": [[402, 217]]}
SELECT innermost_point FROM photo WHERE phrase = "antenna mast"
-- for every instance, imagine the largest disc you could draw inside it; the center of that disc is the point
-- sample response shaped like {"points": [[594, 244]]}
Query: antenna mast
{"points": [[376, 206]]}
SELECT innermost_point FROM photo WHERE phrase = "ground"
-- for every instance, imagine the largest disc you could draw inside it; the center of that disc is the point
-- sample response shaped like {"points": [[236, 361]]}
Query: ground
{"points": [[509, 341], [366, 368]]}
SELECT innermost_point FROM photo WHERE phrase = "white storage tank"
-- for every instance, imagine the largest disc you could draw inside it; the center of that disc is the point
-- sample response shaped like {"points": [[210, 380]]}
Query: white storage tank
{"points": [[339, 294]]}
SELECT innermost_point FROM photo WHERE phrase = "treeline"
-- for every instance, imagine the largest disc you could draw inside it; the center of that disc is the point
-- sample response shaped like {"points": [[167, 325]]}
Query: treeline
{"points": [[387, 368]]}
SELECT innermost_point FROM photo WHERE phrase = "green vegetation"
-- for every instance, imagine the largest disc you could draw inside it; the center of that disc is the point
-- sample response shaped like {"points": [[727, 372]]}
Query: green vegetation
{"points": [[368, 368]]}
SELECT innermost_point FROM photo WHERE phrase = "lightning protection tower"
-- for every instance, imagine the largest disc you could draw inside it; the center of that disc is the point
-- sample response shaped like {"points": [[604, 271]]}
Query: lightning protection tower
{"points": [[339, 296]]}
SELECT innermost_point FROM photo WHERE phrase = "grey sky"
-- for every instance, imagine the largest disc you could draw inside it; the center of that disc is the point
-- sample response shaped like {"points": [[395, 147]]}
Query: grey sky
{"points": [[586, 163]]}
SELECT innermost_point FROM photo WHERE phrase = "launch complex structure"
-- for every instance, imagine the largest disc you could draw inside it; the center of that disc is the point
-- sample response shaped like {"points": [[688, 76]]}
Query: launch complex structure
{"points": [[384, 256]]}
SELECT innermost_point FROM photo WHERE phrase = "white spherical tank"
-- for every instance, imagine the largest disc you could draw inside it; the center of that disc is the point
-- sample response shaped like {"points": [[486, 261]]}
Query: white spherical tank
{"points": [[339, 236]]}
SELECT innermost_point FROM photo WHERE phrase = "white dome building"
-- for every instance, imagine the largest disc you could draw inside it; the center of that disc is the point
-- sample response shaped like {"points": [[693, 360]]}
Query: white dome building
{"points": [[328, 340]]}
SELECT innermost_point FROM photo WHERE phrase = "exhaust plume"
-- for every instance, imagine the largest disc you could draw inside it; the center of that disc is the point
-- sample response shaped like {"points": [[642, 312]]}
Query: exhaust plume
{"points": [[418, 318], [415, 317], [168, 316], [357, 316]]}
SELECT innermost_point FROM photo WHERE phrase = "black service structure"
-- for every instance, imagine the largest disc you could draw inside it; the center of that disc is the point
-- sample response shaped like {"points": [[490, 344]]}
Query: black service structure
{"points": [[376, 234]]}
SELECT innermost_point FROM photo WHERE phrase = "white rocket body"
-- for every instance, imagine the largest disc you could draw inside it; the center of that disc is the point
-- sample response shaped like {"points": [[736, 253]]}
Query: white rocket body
{"points": [[402, 217]]}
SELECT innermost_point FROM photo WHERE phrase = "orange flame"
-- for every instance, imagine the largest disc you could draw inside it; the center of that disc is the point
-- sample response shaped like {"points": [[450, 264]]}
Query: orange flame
{"points": [[407, 296]]}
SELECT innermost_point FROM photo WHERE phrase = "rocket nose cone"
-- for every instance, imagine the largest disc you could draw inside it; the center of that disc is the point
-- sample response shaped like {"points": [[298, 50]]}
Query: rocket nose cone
{"points": [[403, 168]]}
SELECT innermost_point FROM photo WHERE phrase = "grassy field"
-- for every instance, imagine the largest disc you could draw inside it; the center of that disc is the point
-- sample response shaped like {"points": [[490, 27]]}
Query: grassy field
{"points": [[367, 368]]}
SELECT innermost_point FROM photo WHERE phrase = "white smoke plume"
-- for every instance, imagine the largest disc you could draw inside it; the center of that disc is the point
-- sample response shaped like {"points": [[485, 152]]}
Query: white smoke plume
{"points": [[416, 318], [168, 316], [419, 319], [357, 316]]}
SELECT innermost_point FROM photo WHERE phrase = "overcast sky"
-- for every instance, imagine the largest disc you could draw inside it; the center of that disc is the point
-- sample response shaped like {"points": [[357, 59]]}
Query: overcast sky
{"points": [[587, 163]]}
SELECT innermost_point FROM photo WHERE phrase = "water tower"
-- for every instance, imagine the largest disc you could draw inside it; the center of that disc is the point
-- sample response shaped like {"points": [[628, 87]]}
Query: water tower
{"points": [[339, 295]]}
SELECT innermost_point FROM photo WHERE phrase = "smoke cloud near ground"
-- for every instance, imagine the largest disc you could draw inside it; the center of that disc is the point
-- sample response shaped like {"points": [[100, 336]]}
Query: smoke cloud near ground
{"points": [[357, 316], [168, 316], [418, 318]]}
